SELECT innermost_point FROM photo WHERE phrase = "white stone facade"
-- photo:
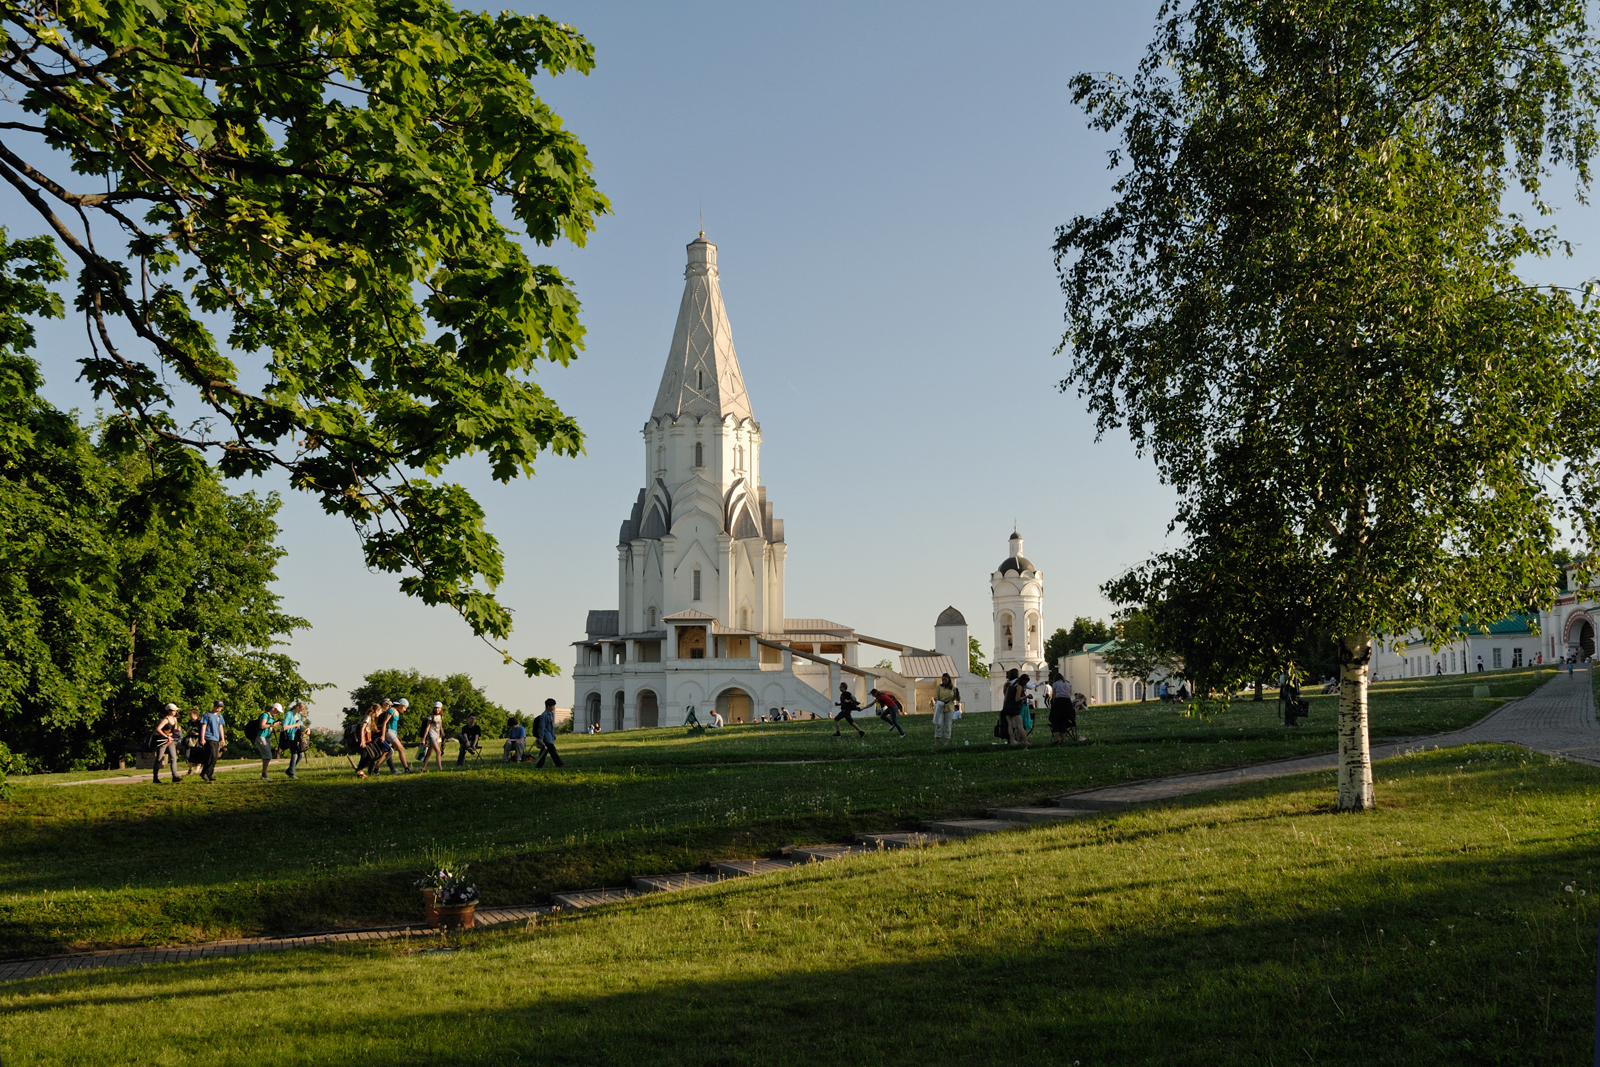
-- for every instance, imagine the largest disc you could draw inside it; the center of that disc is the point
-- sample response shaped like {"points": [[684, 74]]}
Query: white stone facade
{"points": [[1017, 590]]}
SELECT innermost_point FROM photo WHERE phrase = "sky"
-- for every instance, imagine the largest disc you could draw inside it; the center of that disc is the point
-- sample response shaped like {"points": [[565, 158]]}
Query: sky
{"points": [[883, 182]]}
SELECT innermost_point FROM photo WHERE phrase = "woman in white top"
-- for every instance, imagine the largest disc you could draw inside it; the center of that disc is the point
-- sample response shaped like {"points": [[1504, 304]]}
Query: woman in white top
{"points": [[433, 737]]}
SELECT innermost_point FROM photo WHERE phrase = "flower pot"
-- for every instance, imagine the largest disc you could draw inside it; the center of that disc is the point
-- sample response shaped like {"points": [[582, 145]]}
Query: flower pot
{"points": [[429, 912], [456, 916]]}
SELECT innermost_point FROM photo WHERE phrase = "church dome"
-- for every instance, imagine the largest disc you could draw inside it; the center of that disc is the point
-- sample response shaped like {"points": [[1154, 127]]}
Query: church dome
{"points": [[951, 617], [1016, 563]]}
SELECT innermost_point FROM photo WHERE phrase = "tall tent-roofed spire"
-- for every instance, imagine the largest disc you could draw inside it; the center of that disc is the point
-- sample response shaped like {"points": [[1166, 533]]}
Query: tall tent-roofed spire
{"points": [[702, 375]]}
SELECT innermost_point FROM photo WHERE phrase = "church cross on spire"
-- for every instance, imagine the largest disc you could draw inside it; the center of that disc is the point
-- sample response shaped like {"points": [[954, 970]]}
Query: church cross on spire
{"points": [[702, 375]]}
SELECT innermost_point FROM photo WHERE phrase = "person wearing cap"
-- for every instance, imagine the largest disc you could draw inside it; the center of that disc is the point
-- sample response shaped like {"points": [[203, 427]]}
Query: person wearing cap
{"points": [[264, 729], [166, 743], [544, 733], [294, 724], [433, 736], [391, 733], [213, 732]]}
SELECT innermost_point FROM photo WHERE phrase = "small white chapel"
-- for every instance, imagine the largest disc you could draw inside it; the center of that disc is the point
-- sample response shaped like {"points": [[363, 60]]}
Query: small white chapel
{"points": [[699, 622]]}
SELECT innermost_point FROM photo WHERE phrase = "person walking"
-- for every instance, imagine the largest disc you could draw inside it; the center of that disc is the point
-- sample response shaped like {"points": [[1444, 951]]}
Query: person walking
{"points": [[391, 733], [848, 705], [165, 737], [433, 737], [194, 745], [264, 725], [469, 739], [544, 733], [1016, 698], [369, 741], [213, 733], [1063, 716], [945, 695], [887, 706], [296, 728]]}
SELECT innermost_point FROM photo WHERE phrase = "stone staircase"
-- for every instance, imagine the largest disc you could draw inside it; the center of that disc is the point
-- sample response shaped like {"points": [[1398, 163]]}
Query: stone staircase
{"points": [[722, 870]]}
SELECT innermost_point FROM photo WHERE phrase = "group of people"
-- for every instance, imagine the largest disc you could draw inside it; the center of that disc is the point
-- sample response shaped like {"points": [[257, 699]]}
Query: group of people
{"points": [[887, 706], [1021, 697], [377, 737], [199, 742]]}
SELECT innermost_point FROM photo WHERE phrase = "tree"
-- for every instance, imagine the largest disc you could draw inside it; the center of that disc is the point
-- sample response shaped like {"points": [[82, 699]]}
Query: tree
{"points": [[975, 664], [1304, 303], [1139, 649], [323, 181], [460, 698], [1085, 631], [125, 581]]}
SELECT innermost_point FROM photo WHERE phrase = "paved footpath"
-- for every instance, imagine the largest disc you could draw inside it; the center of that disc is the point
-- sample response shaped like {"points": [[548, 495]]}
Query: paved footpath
{"points": [[1557, 720]]}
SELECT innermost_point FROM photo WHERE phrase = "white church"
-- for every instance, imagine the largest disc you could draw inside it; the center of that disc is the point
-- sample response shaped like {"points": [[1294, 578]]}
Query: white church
{"points": [[699, 621]]}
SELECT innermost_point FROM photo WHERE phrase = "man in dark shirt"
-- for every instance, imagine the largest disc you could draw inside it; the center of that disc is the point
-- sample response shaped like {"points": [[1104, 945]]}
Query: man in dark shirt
{"points": [[469, 739]]}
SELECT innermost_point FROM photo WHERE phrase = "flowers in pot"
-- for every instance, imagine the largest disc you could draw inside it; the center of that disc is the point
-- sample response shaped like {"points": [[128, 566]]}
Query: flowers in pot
{"points": [[456, 902], [444, 870]]}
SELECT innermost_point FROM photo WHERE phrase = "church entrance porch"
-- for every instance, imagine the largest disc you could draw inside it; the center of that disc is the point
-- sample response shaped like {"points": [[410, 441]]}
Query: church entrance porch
{"points": [[735, 705], [649, 709]]}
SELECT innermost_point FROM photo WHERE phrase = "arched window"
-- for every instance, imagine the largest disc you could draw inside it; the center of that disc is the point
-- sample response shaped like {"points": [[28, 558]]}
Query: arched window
{"points": [[661, 459], [699, 377], [1119, 691], [1138, 690], [652, 616], [697, 581], [1005, 631], [699, 460], [744, 618]]}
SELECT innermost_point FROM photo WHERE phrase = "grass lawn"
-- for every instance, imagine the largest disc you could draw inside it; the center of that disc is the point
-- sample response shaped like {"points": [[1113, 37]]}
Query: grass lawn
{"points": [[117, 865], [1456, 924]]}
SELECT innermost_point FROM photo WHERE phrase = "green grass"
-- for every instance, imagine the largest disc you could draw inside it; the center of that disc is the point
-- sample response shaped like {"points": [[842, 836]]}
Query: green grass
{"points": [[1456, 924], [119, 865]]}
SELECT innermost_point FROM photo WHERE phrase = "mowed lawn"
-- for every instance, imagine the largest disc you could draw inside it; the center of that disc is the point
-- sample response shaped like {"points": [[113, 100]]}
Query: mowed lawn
{"points": [[1456, 924], [115, 865]]}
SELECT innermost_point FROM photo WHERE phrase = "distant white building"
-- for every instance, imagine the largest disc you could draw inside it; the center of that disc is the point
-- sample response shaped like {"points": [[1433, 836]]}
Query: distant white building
{"points": [[1566, 629], [1017, 589], [1092, 676], [699, 621]]}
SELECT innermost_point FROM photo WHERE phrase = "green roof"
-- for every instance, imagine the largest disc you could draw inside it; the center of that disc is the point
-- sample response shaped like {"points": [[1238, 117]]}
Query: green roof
{"points": [[1520, 623], [1086, 649]]}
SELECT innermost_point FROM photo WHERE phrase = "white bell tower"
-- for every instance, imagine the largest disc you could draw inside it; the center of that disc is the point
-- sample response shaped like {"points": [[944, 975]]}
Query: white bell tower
{"points": [[1017, 587]]}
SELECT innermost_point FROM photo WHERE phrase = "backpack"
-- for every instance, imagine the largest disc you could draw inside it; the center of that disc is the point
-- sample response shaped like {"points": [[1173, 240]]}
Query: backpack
{"points": [[252, 729], [352, 736], [890, 702]]}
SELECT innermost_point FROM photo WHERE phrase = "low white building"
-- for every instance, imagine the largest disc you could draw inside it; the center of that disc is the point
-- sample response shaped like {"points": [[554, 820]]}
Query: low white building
{"points": [[1092, 676], [1566, 629]]}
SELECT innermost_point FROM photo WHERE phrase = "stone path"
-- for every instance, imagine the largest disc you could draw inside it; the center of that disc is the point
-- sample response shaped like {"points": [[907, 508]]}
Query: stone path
{"points": [[1557, 720]]}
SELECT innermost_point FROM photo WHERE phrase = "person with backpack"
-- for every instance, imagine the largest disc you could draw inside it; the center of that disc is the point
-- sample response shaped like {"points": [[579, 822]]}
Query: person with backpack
{"points": [[213, 734], [1015, 696], [259, 731], [848, 705], [544, 733], [369, 740], [887, 706], [164, 742], [295, 730]]}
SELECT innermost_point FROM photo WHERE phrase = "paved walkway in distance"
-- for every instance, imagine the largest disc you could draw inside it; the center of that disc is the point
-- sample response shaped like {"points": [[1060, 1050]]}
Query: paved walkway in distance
{"points": [[1558, 720]]}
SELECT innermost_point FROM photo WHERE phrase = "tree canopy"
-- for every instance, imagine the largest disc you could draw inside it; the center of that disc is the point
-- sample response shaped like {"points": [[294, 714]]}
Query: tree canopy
{"points": [[1085, 631], [288, 215], [127, 579], [1305, 303]]}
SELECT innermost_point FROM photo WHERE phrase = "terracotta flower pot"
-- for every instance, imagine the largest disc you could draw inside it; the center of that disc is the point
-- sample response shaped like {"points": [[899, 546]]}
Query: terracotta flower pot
{"points": [[429, 912], [456, 916]]}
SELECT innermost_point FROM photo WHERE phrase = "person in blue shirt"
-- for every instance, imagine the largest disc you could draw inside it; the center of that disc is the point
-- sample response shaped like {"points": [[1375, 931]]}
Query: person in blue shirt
{"points": [[294, 721], [212, 735], [544, 732], [516, 743]]}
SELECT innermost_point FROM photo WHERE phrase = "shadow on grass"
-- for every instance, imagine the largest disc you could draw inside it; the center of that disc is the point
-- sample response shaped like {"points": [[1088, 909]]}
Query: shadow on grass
{"points": [[1469, 962]]}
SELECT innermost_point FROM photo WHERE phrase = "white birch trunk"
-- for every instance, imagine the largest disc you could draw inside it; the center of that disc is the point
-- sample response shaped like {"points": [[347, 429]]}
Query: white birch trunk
{"points": [[1355, 754]]}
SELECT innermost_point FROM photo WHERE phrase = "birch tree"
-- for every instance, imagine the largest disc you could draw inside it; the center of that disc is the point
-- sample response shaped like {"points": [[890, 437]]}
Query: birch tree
{"points": [[1307, 303]]}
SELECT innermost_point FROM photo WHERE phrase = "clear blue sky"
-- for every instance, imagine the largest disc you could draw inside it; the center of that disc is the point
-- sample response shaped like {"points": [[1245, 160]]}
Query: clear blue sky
{"points": [[883, 182]]}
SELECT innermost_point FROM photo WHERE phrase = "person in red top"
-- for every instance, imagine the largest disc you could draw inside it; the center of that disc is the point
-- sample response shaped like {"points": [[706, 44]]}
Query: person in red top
{"points": [[888, 708]]}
